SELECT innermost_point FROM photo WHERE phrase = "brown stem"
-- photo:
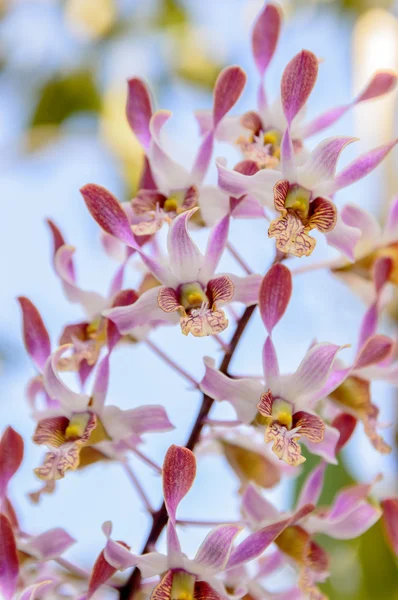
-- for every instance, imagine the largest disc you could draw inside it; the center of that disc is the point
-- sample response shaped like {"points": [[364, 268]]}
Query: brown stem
{"points": [[160, 517]]}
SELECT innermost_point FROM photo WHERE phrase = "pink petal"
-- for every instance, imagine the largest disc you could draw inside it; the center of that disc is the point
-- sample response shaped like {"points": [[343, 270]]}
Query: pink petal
{"points": [[108, 213], [345, 424], [213, 553], [227, 91], [185, 257], [361, 219], [260, 185], [9, 564], [123, 298], [380, 84], [102, 571], [256, 508], [354, 524], [36, 338], [100, 386], [243, 394], [11, 456], [179, 471], [344, 237], [139, 110], [92, 302], [203, 159], [34, 591], [323, 159], [270, 362], [56, 388], [312, 487], [218, 238], [374, 351], [391, 230], [327, 448], [265, 36], [148, 419], [57, 238], [50, 544], [390, 521], [275, 293], [144, 311], [287, 158], [298, 80], [313, 371], [363, 165], [246, 288]]}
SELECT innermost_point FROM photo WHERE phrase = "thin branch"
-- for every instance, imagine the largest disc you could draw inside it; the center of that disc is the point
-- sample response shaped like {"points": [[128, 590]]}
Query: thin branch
{"points": [[241, 261], [148, 461], [206, 523], [160, 517], [325, 264], [140, 490], [171, 363]]}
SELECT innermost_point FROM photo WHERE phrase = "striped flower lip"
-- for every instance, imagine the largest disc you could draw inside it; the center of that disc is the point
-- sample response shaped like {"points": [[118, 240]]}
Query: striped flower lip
{"points": [[197, 307], [299, 214]]}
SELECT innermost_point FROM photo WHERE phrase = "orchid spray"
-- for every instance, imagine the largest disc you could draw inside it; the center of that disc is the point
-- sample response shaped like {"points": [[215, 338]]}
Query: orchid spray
{"points": [[280, 418]]}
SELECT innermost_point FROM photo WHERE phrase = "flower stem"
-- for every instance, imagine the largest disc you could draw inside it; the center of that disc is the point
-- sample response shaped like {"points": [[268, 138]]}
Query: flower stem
{"points": [[326, 264], [241, 261], [160, 517], [171, 363], [148, 461]]}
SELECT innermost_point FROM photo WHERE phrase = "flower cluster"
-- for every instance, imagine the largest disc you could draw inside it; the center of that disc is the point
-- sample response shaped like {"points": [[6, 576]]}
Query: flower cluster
{"points": [[279, 180]]}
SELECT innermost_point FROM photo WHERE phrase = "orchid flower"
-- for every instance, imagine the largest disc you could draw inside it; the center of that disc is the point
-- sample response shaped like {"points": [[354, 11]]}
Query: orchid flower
{"points": [[258, 134], [190, 292], [390, 522], [194, 578], [167, 189], [91, 335], [349, 387], [80, 421], [374, 242], [301, 192], [348, 517], [285, 407]]}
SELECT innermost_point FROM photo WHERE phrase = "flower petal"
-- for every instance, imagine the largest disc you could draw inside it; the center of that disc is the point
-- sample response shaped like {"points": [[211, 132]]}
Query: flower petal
{"points": [[288, 161], [344, 237], [148, 419], [390, 521], [185, 258], [345, 424], [108, 213], [243, 394], [203, 158], [203, 591], [324, 215], [36, 338], [270, 363], [214, 551], [100, 386], [275, 293], [227, 90], [265, 35], [321, 164], [144, 311], [260, 185], [256, 508], [11, 455], [56, 388], [391, 230], [284, 444], [92, 302], [376, 349], [179, 471], [297, 83], [327, 448], [312, 486], [220, 289], [312, 372], [363, 165], [9, 564], [34, 591], [139, 110], [102, 571], [246, 289], [50, 544]]}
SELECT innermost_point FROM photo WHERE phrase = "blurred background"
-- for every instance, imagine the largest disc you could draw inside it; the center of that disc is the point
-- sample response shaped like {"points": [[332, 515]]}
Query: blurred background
{"points": [[64, 66]]}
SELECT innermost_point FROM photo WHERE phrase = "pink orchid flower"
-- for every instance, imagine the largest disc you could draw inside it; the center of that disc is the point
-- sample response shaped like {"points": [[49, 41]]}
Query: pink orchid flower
{"points": [[194, 578], [348, 517], [349, 387], [190, 292], [301, 192], [258, 133], [167, 189], [80, 420], [373, 242], [285, 408]]}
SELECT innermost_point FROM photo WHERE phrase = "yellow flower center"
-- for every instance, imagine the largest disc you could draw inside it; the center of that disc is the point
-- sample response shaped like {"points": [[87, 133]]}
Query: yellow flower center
{"points": [[272, 137], [192, 296], [171, 204], [77, 426], [183, 586], [282, 413], [298, 199]]}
